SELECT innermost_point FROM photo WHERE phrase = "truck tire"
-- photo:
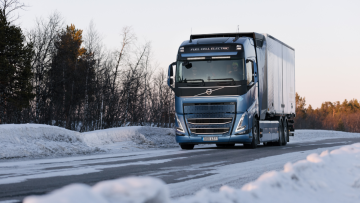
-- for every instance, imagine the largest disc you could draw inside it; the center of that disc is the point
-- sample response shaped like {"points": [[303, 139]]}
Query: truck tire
{"points": [[255, 133], [187, 146], [281, 134], [225, 145], [286, 133]]}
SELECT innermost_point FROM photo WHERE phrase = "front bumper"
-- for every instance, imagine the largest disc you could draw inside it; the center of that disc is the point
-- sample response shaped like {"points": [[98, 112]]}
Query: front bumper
{"points": [[233, 137], [244, 138]]}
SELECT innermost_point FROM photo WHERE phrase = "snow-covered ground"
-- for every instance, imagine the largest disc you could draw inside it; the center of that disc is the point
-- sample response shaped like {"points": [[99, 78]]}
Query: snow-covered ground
{"points": [[315, 135], [38, 141], [35, 140], [16, 171], [331, 176]]}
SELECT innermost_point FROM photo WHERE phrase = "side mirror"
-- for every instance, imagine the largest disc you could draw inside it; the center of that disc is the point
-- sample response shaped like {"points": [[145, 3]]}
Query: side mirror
{"points": [[171, 71], [256, 76], [170, 80]]}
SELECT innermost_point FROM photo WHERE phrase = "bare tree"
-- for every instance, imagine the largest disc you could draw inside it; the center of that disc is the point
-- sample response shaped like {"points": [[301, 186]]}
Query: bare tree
{"points": [[93, 44], [128, 37], [42, 37], [7, 8]]}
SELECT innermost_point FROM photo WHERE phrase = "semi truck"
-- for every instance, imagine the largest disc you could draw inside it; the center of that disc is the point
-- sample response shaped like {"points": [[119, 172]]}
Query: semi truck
{"points": [[233, 88]]}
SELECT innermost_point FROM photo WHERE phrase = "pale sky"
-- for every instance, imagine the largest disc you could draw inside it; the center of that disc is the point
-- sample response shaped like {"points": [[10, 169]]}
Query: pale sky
{"points": [[325, 34]]}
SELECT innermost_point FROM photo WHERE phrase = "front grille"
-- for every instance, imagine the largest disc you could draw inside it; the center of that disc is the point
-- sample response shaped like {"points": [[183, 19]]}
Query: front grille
{"points": [[210, 118], [208, 121], [209, 131], [210, 108]]}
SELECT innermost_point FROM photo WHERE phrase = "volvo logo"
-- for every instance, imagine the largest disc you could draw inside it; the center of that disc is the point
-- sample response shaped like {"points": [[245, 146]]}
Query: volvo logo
{"points": [[209, 91]]}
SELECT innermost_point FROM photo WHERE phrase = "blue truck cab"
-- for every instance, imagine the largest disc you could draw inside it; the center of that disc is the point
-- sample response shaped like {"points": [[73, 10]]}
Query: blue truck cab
{"points": [[221, 85]]}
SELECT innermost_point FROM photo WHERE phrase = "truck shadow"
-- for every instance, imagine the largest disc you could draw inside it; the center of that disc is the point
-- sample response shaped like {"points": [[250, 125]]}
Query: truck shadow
{"points": [[239, 146]]}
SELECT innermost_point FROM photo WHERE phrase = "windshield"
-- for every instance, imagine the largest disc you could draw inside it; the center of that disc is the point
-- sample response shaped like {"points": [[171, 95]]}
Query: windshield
{"points": [[210, 71]]}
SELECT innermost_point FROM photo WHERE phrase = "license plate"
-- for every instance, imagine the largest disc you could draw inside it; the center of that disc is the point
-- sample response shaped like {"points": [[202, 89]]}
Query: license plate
{"points": [[210, 138]]}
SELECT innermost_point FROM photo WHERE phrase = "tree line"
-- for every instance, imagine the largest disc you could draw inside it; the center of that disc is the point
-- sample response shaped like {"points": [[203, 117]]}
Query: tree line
{"points": [[343, 116], [57, 74]]}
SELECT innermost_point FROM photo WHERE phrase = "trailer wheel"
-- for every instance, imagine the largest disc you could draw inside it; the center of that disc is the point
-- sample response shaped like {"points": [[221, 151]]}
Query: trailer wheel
{"points": [[187, 146], [281, 134], [285, 133]]}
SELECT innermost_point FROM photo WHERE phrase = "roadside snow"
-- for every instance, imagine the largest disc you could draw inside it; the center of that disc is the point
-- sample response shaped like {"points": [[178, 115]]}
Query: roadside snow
{"points": [[329, 177], [126, 190], [315, 135], [131, 138], [36, 140]]}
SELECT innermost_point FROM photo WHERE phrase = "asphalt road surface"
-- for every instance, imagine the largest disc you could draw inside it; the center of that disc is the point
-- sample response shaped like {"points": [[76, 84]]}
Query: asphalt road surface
{"points": [[185, 171]]}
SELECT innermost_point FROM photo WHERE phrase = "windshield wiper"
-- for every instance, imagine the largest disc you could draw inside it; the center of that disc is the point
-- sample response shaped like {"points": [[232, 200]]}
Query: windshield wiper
{"points": [[232, 79], [194, 80], [203, 82]]}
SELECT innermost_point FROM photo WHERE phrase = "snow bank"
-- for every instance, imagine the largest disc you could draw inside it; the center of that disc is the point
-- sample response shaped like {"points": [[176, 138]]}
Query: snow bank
{"points": [[314, 135], [127, 190], [140, 135], [329, 177], [36, 140]]}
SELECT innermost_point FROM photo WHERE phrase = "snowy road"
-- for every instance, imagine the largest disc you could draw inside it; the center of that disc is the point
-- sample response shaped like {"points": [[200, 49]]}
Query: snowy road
{"points": [[185, 171]]}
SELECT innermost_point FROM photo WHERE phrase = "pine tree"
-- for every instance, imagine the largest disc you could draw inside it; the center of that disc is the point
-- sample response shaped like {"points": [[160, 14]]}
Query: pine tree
{"points": [[15, 71], [300, 111], [340, 125], [70, 76]]}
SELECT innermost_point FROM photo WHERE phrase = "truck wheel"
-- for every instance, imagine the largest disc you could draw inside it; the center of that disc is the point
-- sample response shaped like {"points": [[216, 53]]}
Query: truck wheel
{"points": [[281, 134], [225, 145], [285, 133], [255, 133], [187, 146]]}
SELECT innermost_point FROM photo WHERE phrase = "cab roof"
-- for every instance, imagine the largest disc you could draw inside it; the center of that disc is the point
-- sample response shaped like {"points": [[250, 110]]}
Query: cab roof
{"points": [[218, 38]]}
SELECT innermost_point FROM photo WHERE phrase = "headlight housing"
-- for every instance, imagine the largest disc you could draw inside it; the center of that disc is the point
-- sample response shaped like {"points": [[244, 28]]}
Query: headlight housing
{"points": [[180, 127], [240, 125]]}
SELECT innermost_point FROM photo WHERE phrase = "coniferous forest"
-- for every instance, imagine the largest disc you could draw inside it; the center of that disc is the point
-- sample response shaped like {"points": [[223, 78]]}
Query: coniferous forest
{"points": [[343, 116], [62, 75]]}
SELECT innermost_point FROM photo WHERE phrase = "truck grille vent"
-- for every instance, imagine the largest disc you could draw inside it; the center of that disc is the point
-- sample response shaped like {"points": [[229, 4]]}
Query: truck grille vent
{"points": [[209, 121], [209, 131]]}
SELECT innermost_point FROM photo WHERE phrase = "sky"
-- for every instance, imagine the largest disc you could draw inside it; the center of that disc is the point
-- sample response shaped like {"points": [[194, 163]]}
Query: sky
{"points": [[325, 34]]}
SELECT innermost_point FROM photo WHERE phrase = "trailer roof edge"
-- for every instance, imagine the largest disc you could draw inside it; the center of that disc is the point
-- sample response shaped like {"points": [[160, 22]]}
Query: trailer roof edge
{"points": [[254, 35]]}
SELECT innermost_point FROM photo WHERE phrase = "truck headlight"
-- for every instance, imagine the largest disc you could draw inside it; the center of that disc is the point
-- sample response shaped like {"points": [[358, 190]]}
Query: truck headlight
{"points": [[240, 126], [180, 128]]}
